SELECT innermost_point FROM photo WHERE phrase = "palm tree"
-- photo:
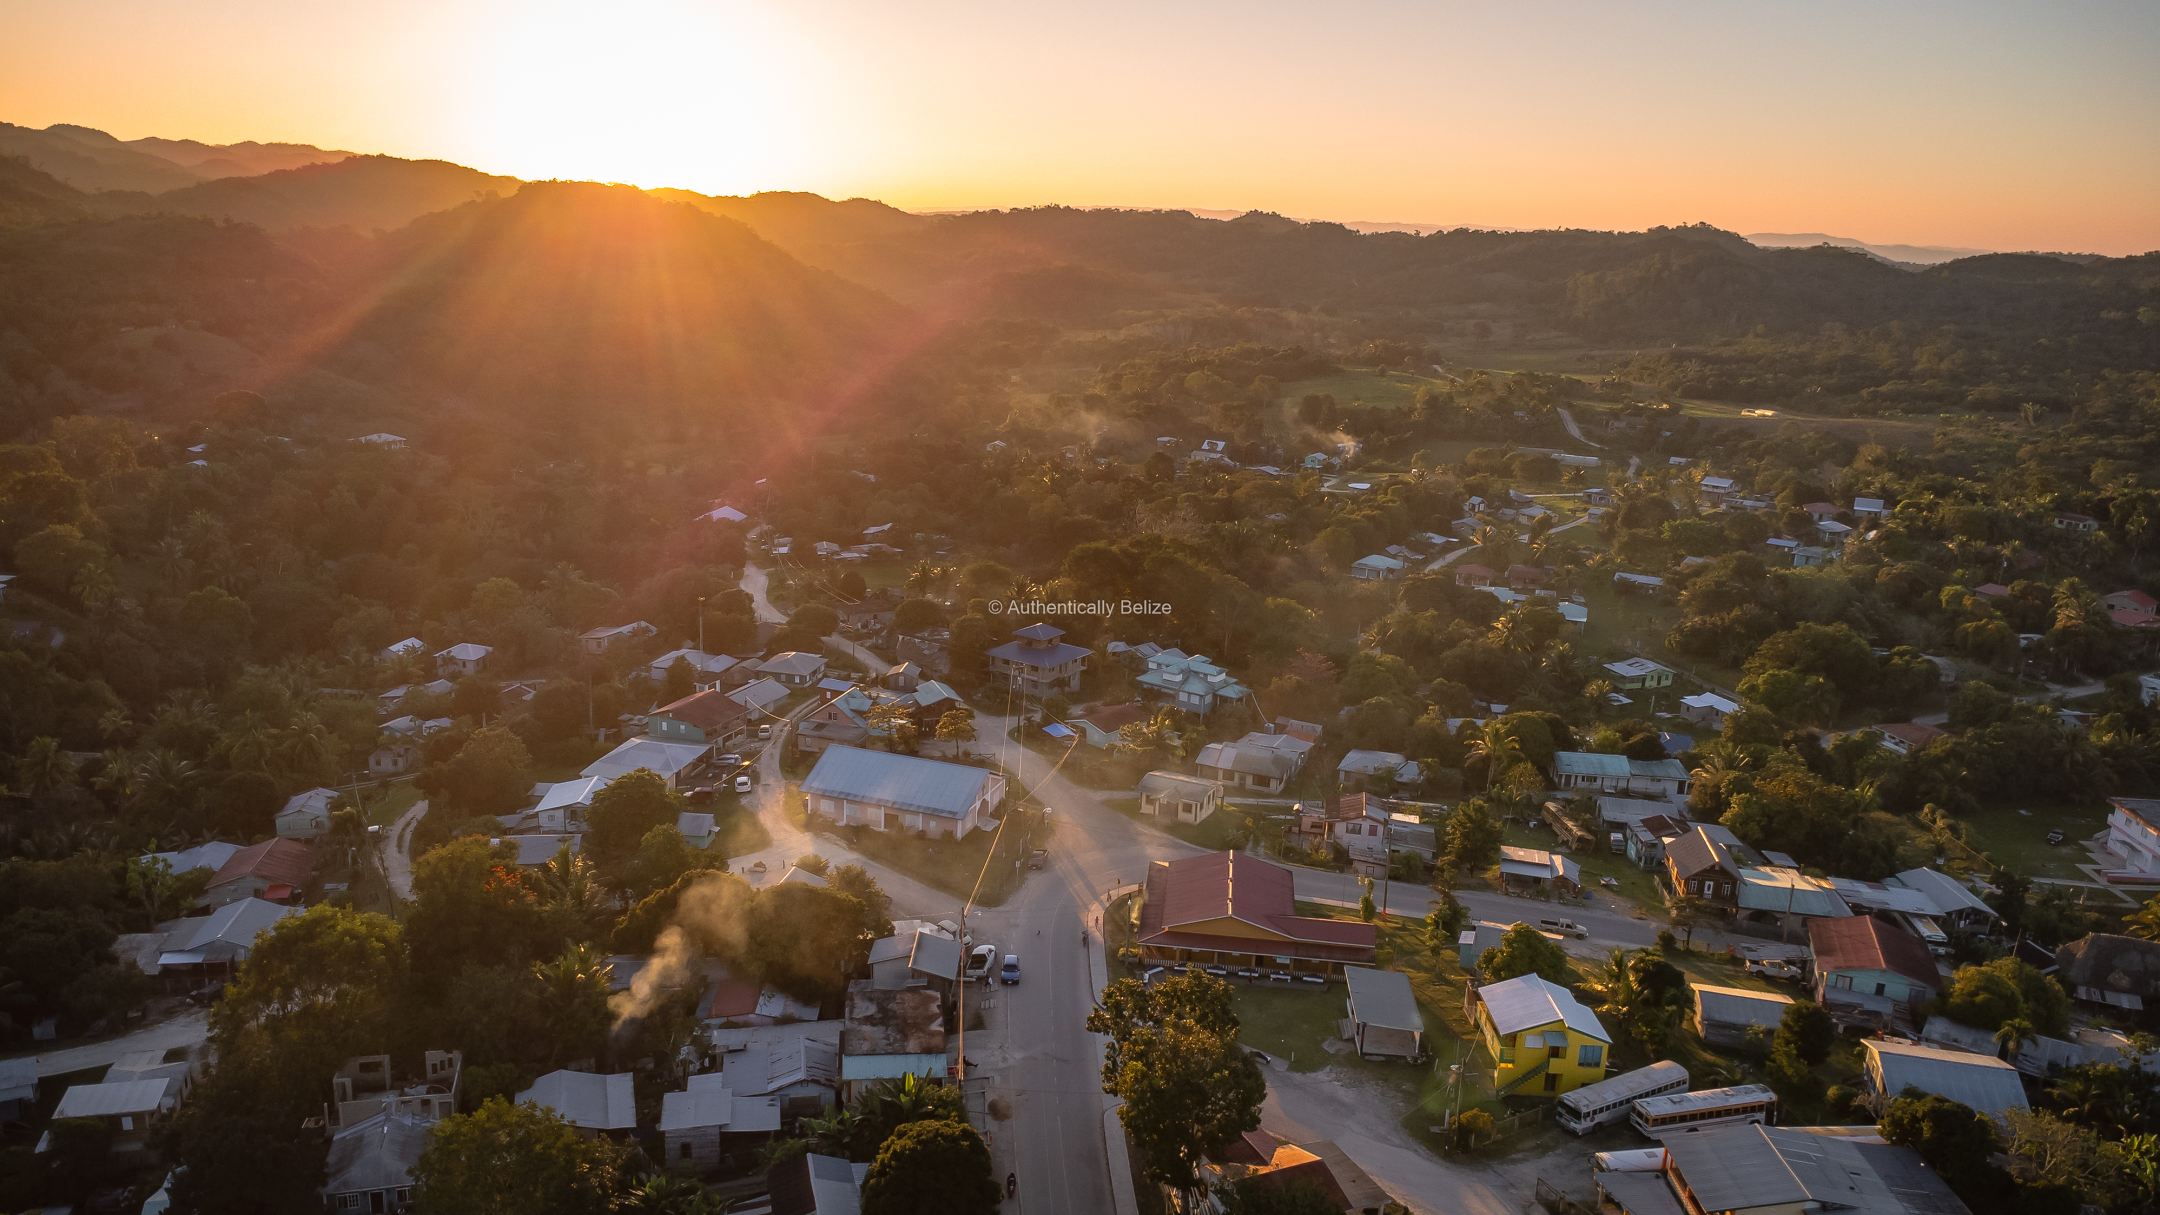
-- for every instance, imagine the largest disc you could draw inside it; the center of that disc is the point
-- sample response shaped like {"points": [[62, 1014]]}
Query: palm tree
{"points": [[832, 1134], [44, 768], [2012, 1036], [2145, 921], [569, 889]]}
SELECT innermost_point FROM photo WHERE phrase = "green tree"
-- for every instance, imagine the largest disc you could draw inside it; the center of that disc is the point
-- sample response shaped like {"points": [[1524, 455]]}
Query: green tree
{"points": [[472, 909], [622, 813], [491, 774], [888, 1105], [1258, 1196], [1473, 837], [1175, 1059], [1523, 950], [1956, 1142], [932, 1165], [954, 728], [504, 1157], [1806, 1031]]}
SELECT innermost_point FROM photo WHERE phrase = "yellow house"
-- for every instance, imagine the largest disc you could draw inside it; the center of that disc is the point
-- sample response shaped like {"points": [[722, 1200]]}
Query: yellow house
{"points": [[1542, 1040]]}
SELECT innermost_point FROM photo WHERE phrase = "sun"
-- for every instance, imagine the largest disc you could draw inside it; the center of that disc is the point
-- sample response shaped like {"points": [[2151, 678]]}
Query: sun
{"points": [[650, 92]]}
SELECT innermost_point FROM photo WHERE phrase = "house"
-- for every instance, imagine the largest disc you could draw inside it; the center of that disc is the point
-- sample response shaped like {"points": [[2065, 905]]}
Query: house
{"points": [[464, 658], [1638, 675], [1179, 798], [1040, 662], [211, 856], [1361, 769], [2110, 970], [2071, 521], [1867, 964], [395, 757], [723, 513], [793, 668], [902, 676], [892, 1032], [1906, 737], [811, 1184], [1782, 895], [1521, 577], [1983, 1083], [533, 851], [1377, 567], [886, 792], [1708, 709], [18, 1089], [1645, 840], [1229, 909], [1716, 487], [733, 1002], [1734, 1018], [207, 948], [1705, 863], [707, 671], [367, 1085], [1542, 871], [710, 718], [130, 1109], [2133, 835], [1955, 905], [671, 761], [1619, 774], [382, 439], [1385, 1022], [698, 1124], [401, 649], [762, 697], [306, 815], [918, 953], [607, 637], [1751, 1169], [1264, 1161], [1367, 829], [696, 827], [1101, 727], [1190, 682], [1649, 583], [595, 1104], [275, 870], [795, 1062], [1542, 1040], [1470, 573], [370, 1163], [1262, 769], [1473, 941]]}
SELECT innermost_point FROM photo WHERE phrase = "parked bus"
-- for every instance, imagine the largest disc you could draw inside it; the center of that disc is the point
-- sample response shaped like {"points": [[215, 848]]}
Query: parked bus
{"points": [[1609, 1100], [1629, 1160], [1681, 1113]]}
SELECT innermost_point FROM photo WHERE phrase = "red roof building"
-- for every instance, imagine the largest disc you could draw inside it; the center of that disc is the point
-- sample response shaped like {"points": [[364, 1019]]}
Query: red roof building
{"points": [[1231, 911], [275, 870]]}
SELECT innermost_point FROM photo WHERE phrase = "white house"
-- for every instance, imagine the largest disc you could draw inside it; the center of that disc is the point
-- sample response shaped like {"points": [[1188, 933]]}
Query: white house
{"points": [[2133, 834], [707, 671], [668, 759], [402, 649], [1181, 798], [1708, 709], [1619, 774], [1379, 567], [1359, 767], [794, 668], [306, 815], [464, 658], [607, 637]]}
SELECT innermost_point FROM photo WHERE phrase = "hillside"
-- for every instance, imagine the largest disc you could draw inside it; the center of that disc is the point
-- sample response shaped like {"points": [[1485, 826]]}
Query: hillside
{"points": [[92, 160], [367, 193], [247, 159]]}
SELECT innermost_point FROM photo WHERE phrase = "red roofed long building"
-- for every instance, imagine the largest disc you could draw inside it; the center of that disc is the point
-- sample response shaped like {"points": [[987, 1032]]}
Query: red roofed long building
{"points": [[1236, 911], [276, 870]]}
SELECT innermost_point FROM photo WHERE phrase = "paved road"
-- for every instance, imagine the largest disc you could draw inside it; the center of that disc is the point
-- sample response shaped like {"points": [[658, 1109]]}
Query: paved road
{"points": [[397, 856], [188, 1029], [1568, 420]]}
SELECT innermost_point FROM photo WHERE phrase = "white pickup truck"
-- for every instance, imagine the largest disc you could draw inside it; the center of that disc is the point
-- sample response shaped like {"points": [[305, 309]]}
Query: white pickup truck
{"points": [[1777, 968], [979, 964]]}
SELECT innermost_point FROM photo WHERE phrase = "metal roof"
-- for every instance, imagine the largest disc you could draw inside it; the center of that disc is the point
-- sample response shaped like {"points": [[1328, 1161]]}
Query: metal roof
{"points": [[235, 925], [1784, 891], [903, 782], [586, 1099], [1382, 998], [1951, 896], [647, 754], [1739, 1006], [1729, 1168], [1983, 1082], [1530, 1002], [112, 1099]]}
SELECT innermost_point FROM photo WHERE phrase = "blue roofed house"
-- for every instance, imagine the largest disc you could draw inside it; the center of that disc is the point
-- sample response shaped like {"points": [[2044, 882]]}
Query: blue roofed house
{"points": [[1360, 769], [887, 792], [1041, 661], [1621, 775], [1982, 1083], [1378, 567], [306, 815], [1190, 682]]}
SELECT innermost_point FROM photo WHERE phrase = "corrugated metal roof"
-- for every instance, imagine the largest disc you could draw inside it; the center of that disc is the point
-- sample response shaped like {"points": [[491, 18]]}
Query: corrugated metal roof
{"points": [[1528, 1002], [1739, 1006], [903, 782], [1982, 1082], [1383, 998], [585, 1099], [112, 1100]]}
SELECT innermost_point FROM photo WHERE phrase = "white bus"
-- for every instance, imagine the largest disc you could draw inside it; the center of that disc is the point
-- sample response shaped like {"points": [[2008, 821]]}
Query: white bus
{"points": [[1681, 1113], [1594, 1105]]}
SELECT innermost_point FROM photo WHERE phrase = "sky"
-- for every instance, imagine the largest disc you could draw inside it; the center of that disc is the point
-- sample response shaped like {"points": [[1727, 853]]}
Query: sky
{"points": [[1973, 124]]}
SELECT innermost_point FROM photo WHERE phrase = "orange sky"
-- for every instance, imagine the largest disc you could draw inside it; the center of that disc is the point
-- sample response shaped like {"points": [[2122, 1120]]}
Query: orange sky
{"points": [[1977, 124]]}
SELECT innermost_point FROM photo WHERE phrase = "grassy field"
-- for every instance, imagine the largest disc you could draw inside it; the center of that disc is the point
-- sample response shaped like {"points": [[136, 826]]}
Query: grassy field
{"points": [[2016, 836], [1356, 386], [952, 865], [1225, 828], [381, 806]]}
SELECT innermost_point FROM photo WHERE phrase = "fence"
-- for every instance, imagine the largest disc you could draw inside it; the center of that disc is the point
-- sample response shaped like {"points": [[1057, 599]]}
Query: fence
{"points": [[1553, 1200]]}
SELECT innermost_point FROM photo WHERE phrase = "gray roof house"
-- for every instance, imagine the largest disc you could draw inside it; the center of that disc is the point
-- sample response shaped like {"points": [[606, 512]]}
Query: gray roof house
{"points": [[370, 1164], [697, 1122], [1358, 767], [1727, 1016], [1751, 1168], [1984, 1083], [595, 1104], [1040, 661], [887, 792], [1619, 774], [306, 815], [1260, 768], [794, 668], [1178, 797]]}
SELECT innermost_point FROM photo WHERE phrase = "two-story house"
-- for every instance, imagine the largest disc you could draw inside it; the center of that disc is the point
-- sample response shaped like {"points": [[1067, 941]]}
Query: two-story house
{"points": [[1040, 661], [1190, 682], [710, 717], [1543, 1041], [1705, 865]]}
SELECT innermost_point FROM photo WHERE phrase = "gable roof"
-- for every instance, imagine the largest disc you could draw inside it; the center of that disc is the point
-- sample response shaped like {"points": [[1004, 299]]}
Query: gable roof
{"points": [[310, 802], [376, 1153], [793, 662], [1862, 942], [1984, 1083], [1529, 1001], [1705, 846], [229, 929], [1382, 998], [1849, 1170], [904, 782], [585, 1099], [649, 754], [278, 862], [1198, 890], [1246, 760], [112, 1099], [1739, 1006], [709, 711]]}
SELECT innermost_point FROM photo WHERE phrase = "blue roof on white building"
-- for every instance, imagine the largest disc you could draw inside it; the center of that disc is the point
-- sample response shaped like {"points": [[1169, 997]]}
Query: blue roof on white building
{"points": [[903, 782]]}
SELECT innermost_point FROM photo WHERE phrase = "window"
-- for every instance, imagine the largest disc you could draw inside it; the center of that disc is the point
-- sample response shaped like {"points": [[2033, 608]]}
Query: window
{"points": [[1507, 1054], [1590, 1055], [684, 1153]]}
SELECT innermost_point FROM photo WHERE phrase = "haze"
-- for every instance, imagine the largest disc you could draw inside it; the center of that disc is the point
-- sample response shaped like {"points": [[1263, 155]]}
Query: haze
{"points": [[1984, 125]]}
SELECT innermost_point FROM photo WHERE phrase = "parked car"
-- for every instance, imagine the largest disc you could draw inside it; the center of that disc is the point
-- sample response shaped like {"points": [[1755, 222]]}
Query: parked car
{"points": [[1009, 974], [1566, 928], [1777, 968], [742, 783], [979, 964], [729, 760], [764, 732]]}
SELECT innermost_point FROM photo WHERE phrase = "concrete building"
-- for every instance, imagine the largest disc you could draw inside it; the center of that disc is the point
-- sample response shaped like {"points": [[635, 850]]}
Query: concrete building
{"points": [[887, 792]]}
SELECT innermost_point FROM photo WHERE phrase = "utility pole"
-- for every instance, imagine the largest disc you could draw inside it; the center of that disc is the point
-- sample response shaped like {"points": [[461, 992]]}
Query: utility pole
{"points": [[701, 625]]}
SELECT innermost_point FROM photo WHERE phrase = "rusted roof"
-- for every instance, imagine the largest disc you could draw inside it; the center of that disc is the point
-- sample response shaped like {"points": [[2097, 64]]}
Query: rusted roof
{"points": [[1862, 942], [709, 711], [279, 862], [1203, 888]]}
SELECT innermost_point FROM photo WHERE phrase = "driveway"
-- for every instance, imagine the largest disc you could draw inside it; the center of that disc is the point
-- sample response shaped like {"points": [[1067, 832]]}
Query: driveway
{"points": [[190, 1028], [396, 850]]}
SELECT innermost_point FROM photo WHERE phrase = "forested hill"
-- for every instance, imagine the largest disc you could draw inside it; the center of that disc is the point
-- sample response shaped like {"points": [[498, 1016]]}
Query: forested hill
{"points": [[554, 300]]}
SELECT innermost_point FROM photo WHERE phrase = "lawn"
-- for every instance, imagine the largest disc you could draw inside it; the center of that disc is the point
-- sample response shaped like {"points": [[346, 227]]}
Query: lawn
{"points": [[953, 865], [738, 833], [2016, 836], [1226, 828], [381, 806]]}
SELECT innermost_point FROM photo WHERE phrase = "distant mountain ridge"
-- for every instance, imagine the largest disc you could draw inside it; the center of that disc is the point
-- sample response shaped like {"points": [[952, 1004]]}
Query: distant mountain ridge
{"points": [[1911, 255], [92, 160]]}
